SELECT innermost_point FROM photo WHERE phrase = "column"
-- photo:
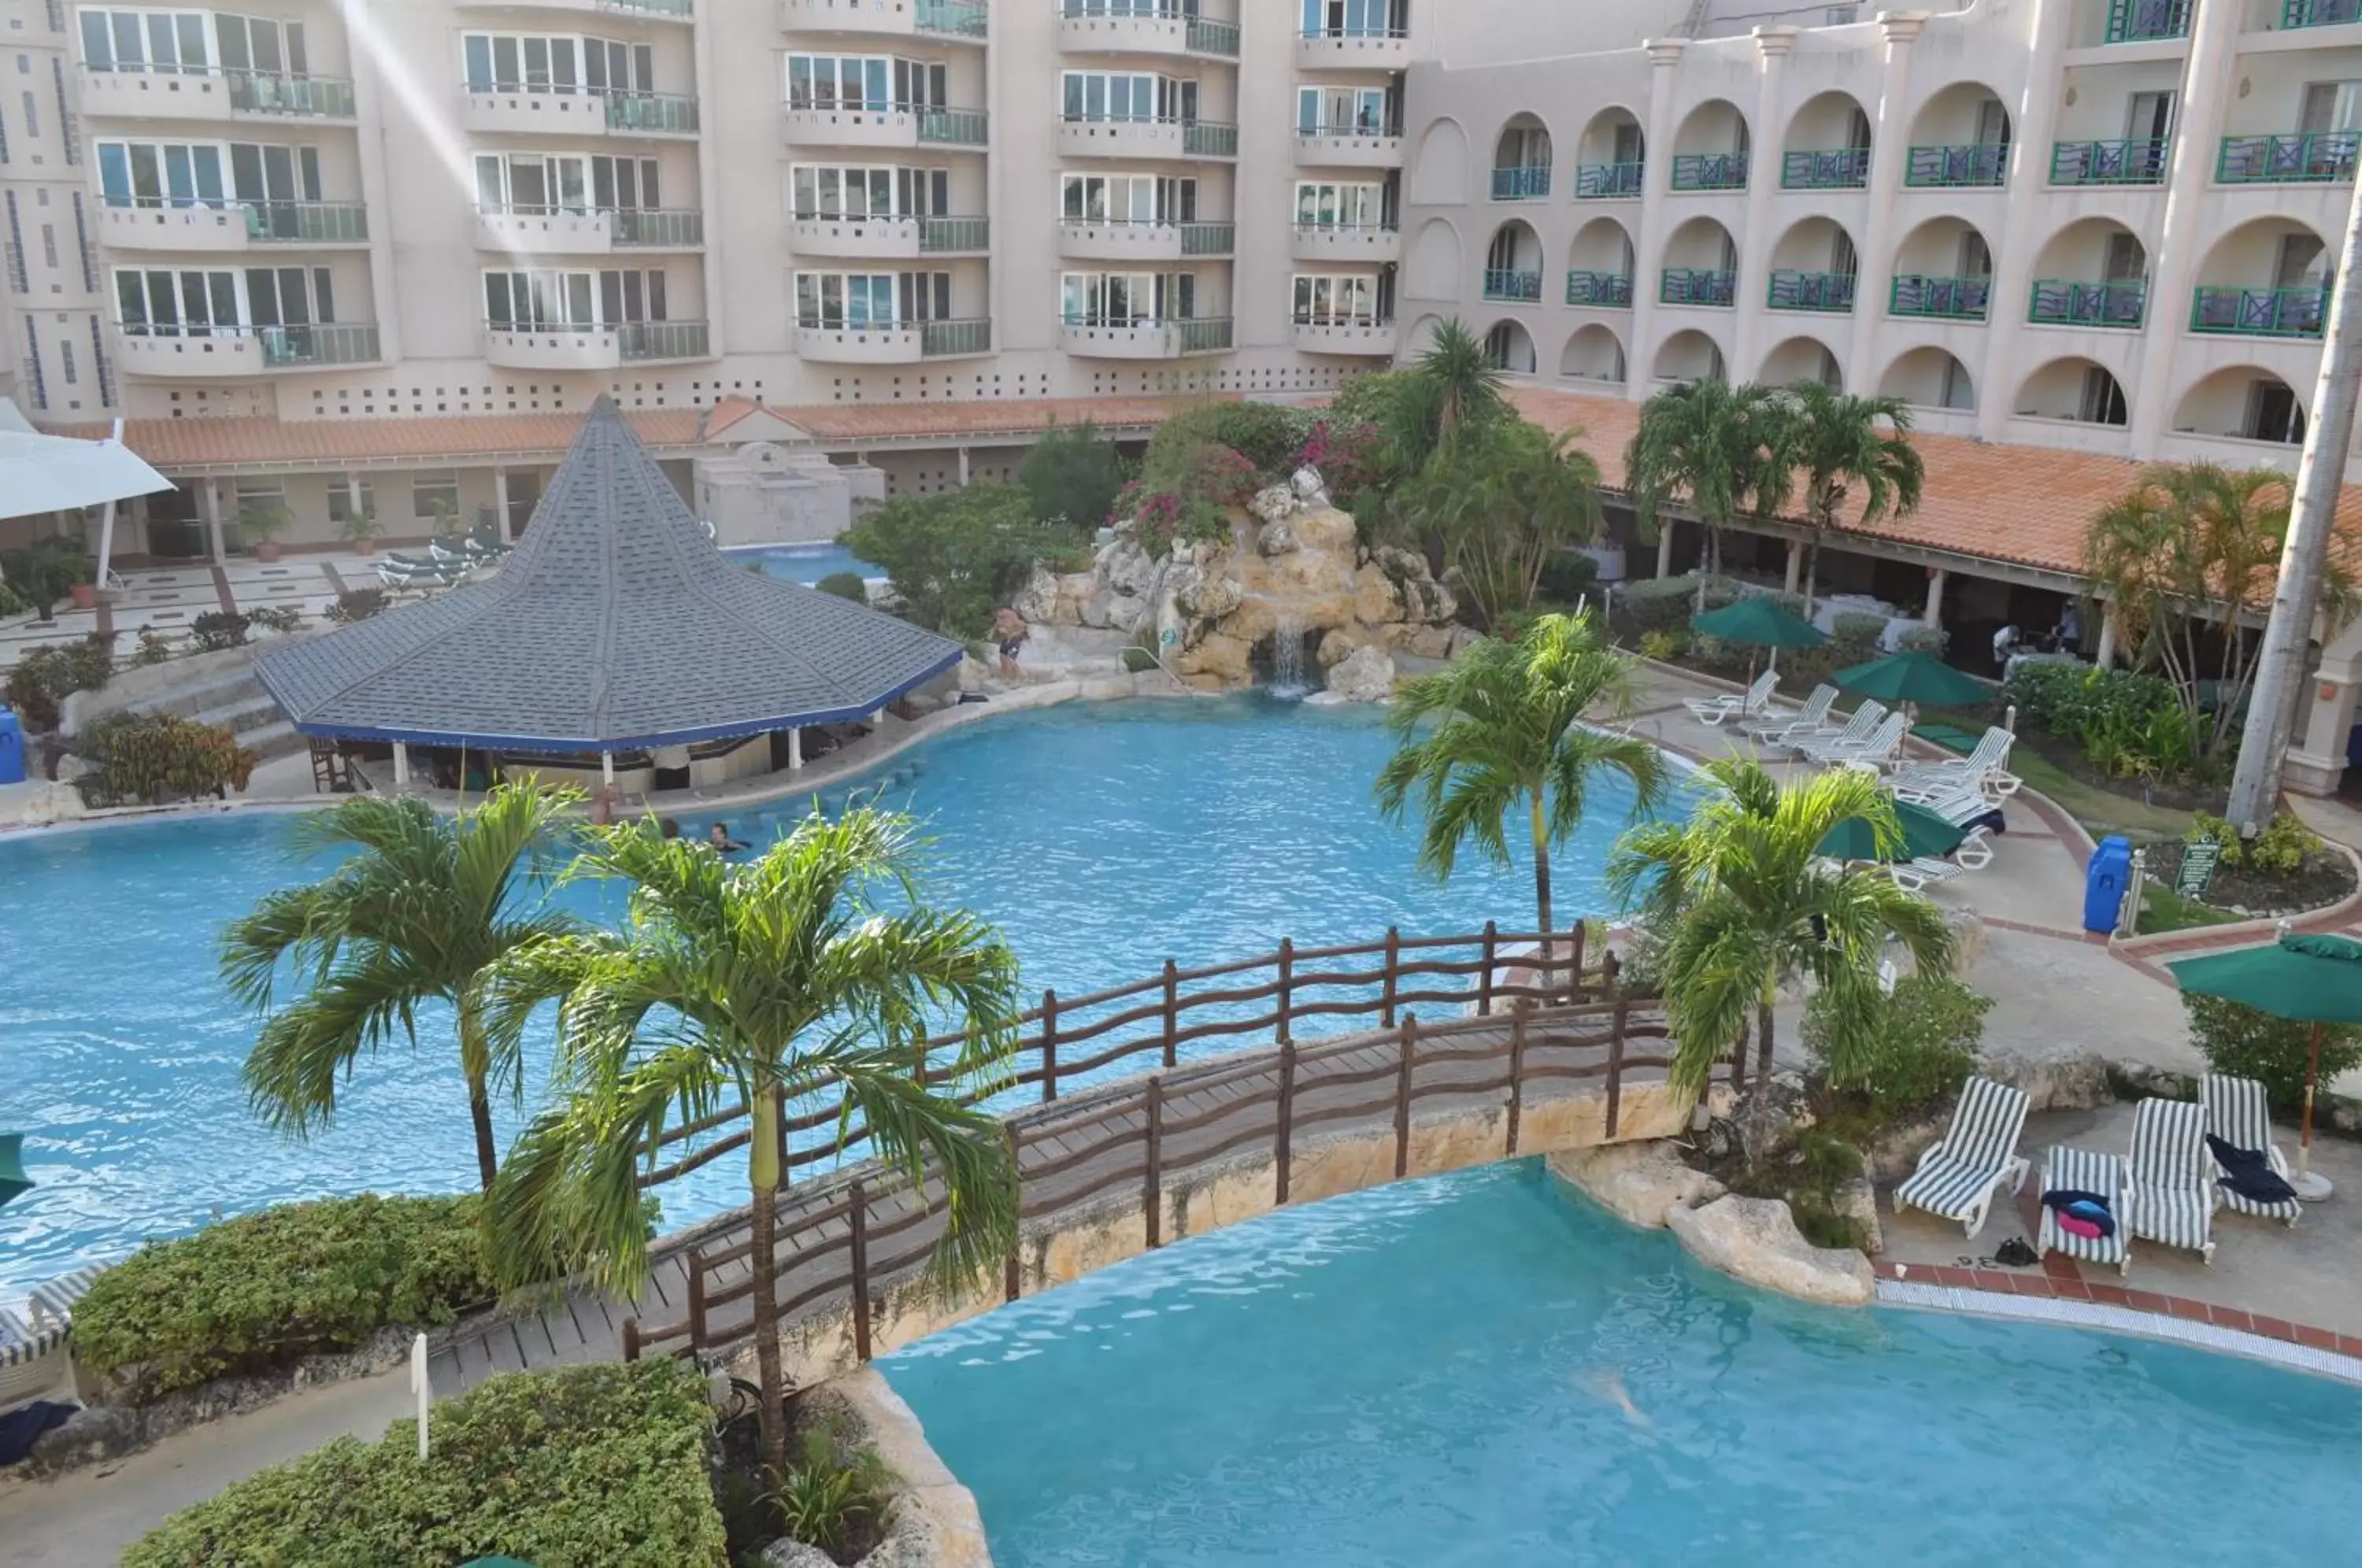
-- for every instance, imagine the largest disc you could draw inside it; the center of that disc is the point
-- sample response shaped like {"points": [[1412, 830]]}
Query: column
{"points": [[210, 492], [500, 501], [1934, 615], [1664, 539], [2019, 236], [963, 468], [2206, 87], [709, 184], [1796, 566], [1889, 151], [1754, 284], [1647, 243], [2105, 655], [401, 765], [369, 108], [795, 751]]}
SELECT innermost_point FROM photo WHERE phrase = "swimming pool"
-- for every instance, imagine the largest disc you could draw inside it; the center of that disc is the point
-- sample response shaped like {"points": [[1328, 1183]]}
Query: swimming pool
{"points": [[1099, 838], [803, 563], [1438, 1373]]}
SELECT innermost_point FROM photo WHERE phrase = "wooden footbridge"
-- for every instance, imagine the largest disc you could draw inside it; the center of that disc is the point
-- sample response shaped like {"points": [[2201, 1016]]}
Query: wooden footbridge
{"points": [[1467, 1050]]}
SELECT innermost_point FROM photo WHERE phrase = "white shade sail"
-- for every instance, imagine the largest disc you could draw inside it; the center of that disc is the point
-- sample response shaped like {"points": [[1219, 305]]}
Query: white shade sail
{"points": [[57, 473]]}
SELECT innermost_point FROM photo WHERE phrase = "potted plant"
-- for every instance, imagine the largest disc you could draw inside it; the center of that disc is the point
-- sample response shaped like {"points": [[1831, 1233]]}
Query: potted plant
{"points": [[259, 524], [446, 517], [48, 571], [362, 528]]}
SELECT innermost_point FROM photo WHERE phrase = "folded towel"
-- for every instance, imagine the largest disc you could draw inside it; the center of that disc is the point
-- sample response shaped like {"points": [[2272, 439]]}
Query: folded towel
{"points": [[2082, 1208], [2248, 1171], [2083, 1228]]}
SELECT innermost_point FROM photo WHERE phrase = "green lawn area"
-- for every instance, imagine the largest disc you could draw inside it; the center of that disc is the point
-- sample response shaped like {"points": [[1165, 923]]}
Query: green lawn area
{"points": [[2164, 909]]}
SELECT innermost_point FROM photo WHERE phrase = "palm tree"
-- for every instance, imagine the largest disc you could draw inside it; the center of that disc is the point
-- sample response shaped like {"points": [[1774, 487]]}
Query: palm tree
{"points": [[764, 983], [1742, 902], [1503, 728], [416, 916], [1502, 502], [1461, 377], [1723, 447], [1836, 439]]}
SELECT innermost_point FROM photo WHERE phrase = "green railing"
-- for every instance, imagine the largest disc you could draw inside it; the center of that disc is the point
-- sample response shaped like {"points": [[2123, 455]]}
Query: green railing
{"points": [[2302, 157], [1213, 38], [1710, 171], [1210, 335], [940, 338], [323, 343], [1829, 168], [684, 9], [659, 226], [315, 223], [1508, 283], [1524, 182], [1209, 239], [638, 341], [961, 18], [2259, 312], [269, 93], [1696, 286], [1209, 139], [2132, 160], [2069, 302], [955, 128], [1601, 291], [1792, 290], [955, 234], [2133, 21], [1943, 299], [1608, 181], [668, 113], [1958, 163], [2320, 13]]}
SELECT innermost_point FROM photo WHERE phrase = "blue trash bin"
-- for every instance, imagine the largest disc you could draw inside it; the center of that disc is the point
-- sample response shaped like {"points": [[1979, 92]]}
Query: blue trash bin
{"points": [[2104, 881], [12, 748]]}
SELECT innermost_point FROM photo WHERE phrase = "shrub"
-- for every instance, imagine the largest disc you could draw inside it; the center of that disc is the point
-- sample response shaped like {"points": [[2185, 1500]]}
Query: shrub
{"points": [[2284, 844], [1653, 604], [218, 629], [154, 647], [1929, 640], [1073, 475], [1266, 435], [2251, 1044], [1664, 645], [280, 618], [152, 760], [1348, 457], [356, 604], [267, 1288], [1568, 576], [844, 585], [46, 675], [833, 1492], [1923, 1043], [1854, 638], [954, 559], [587, 1467]]}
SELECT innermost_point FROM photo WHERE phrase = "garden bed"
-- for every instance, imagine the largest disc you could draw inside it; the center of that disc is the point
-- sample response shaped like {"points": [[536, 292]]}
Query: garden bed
{"points": [[2325, 877]]}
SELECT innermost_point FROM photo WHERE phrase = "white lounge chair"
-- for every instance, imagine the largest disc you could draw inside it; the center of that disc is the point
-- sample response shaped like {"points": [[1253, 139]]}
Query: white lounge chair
{"points": [[1714, 710], [2238, 1112], [1915, 874], [2170, 1182], [1775, 728], [1975, 852], [1856, 728], [2103, 1175], [1957, 1178], [1958, 808], [1990, 752], [1877, 747]]}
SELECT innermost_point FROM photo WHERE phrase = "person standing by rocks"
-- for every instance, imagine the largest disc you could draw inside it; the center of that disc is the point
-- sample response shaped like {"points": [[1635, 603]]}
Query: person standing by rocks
{"points": [[1010, 630]]}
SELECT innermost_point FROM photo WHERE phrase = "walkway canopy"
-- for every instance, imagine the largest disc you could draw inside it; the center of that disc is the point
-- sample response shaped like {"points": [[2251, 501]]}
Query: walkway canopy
{"points": [[615, 625]]}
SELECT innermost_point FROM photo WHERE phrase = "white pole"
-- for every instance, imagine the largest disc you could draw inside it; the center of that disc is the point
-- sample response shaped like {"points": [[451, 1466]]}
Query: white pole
{"points": [[607, 766], [401, 765], [795, 751], [418, 1386], [106, 524]]}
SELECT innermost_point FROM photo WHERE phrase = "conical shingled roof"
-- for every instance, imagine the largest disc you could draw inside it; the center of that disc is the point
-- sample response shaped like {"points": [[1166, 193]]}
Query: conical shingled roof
{"points": [[615, 624]]}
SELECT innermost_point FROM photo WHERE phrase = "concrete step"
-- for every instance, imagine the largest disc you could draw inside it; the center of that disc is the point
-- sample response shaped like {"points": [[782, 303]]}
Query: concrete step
{"points": [[272, 740], [191, 701], [249, 712]]}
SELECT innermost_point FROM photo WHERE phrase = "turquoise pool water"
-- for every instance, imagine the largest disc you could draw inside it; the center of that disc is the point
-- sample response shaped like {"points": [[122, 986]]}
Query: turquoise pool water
{"points": [[1102, 839], [803, 563], [1429, 1375]]}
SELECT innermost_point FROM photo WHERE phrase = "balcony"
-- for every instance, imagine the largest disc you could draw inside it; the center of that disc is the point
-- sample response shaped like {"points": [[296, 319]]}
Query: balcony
{"points": [[2320, 13], [214, 94], [1312, 335], [1147, 338], [212, 353], [889, 238], [892, 343], [1831, 292], [1609, 181], [2258, 312], [1513, 287], [1827, 169], [632, 10], [2297, 159], [1348, 242], [1108, 136], [565, 346], [2140, 21], [1960, 164], [1918, 295], [1696, 286], [2075, 302], [511, 110], [2137, 161], [1353, 48], [557, 231], [959, 21], [1529, 182], [1142, 239], [1599, 291], [234, 226], [1370, 145], [900, 126], [1088, 28], [1710, 171], [1208, 139]]}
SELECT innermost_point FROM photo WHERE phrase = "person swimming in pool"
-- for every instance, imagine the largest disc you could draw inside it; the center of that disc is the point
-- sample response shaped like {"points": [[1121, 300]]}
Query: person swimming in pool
{"points": [[1608, 1384], [718, 836]]}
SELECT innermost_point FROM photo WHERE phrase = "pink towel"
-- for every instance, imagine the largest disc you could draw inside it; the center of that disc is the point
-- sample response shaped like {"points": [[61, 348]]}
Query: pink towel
{"points": [[2074, 1227]]}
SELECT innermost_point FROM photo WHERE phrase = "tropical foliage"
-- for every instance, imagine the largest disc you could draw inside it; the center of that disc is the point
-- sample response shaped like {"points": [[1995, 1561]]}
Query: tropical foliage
{"points": [[1841, 444], [1072, 476], [45, 571], [2248, 1043], [153, 759], [2128, 723], [1504, 499], [811, 970], [1503, 730], [412, 920], [1725, 450], [1921, 1043], [955, 558], [44, 677]]}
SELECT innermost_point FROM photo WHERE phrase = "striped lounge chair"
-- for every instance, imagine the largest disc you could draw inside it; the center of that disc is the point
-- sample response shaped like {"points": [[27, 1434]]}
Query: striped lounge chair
{"points": [[1957, 1177], [33, 1347], [2171, 1188], [2084, 1170], [2237, 1112]]}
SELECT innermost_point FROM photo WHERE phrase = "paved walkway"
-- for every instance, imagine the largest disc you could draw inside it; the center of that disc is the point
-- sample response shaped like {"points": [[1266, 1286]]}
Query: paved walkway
{"points": [[166, 599]]}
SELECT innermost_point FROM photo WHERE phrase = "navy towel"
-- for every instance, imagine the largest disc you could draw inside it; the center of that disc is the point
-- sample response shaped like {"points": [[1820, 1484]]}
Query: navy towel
{"points": [[19, 1427], [2249, 1173]]}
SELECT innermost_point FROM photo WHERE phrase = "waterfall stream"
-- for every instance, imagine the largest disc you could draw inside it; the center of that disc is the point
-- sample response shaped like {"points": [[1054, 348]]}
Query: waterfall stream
{"points": [[1288, 681]]}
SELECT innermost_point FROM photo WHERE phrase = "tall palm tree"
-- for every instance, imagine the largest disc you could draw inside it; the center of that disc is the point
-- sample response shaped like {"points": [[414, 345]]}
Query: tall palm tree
{"points": [[1723, 447], [1504, 728], [416, 916], [1836, 440], [1461, 377], [1742, 902], [767, 982]]}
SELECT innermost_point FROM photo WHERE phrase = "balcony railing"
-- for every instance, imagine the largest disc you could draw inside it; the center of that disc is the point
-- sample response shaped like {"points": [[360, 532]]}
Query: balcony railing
{"points": [[659, 226], [1829, 168], [2135, 161], [1960, 163], [946, 337], [1209, 239], [273, 93], [285, 347], [955, 234], [681, 8], [1943, 299], [1351, 130], [960, 18], [1608, 181], [2298, 159], [1206, 37], [1357, 30], [955, 128], [1601, 291], [1525, 182], [1205, 336], [2259, 312], [2133, 21], [1209, 139], [666, 112], [1696, 286], [1710, 171], [2320, 13], [315, 223], [2074, 303], [662, 340], [1791, 290], [1503, 283]]}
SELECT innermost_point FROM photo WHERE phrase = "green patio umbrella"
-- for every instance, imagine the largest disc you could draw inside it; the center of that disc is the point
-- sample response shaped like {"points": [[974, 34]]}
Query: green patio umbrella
{"points": [[1759, 622], [1912, 676], [2305, 980], [1923, 833], [13, 1180]]}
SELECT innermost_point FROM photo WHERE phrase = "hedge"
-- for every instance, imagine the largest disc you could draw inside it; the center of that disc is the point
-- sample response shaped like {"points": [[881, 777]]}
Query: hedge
{"points": [[262, 1290], [584, 1467]]}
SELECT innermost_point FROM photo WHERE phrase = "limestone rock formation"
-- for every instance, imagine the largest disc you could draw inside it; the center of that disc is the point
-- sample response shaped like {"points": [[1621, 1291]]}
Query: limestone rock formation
{"points": [[1365, 675], [1755, 1239], [1637, 1182]]}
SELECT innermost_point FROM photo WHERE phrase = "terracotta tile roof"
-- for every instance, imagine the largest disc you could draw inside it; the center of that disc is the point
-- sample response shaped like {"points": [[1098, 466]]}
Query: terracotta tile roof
{"points": [[2028, 505]]}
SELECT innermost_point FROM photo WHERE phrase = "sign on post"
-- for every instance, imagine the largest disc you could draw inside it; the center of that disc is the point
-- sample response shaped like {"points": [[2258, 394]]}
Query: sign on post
{"points": [[2198, 863]]}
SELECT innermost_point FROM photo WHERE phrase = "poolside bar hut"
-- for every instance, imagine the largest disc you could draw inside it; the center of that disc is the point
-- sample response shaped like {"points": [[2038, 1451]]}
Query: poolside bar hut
{"points": [[614, 627]]}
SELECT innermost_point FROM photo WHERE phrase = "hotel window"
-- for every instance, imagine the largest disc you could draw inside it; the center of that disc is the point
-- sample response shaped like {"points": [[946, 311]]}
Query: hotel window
{"points": [[883, 300], [1126, 96], [1345, 111], [1129, 198], [204, 175], [162, 41], [1321, 203], [533, 183], [866, 192], [190, 302], [349, 498], [864, 84], [435, 492], [506, 62], [1348, 299], [548, 300], [1126, 299], [1353, 19]]}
